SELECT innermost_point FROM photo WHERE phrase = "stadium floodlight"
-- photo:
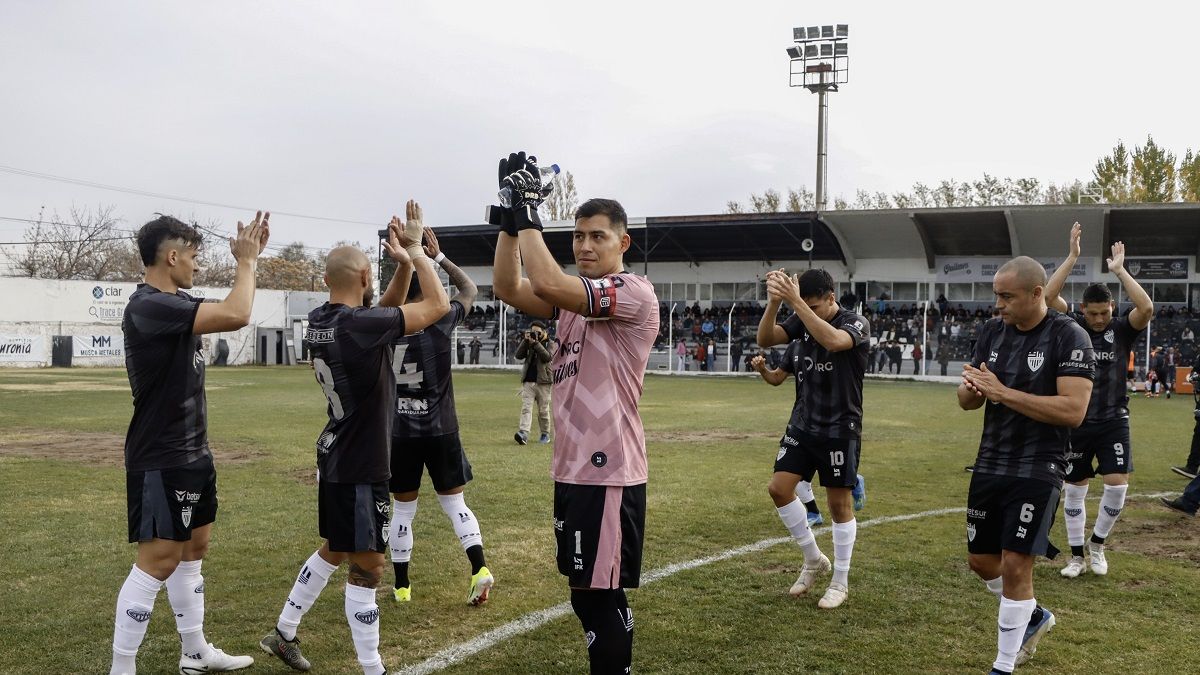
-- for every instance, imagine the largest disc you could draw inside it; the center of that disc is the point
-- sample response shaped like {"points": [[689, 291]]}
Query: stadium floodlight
{"points": [[820, 63]]}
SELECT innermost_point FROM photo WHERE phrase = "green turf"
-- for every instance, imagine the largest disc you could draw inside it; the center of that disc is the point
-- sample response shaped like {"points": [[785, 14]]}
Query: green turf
{"points": [[914, 606]]}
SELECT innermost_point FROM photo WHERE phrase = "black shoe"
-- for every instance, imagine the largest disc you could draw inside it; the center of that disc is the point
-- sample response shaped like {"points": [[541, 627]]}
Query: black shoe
{"points": [[1176, 505], [1188, 472], [521, 438]]}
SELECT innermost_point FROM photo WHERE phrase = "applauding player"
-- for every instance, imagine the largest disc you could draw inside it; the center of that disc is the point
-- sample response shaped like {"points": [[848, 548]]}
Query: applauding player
{"points": [[1104, 436], [832, 343], [351, 347], [607, 323], [1033, 368], [171, 484]]}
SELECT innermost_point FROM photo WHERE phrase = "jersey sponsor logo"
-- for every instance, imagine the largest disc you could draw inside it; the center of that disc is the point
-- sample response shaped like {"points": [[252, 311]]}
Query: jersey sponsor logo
{"points": [[599, 459], [790, 441], [185, 514], [368, 617], [319, 335], [1035, 360], [184, 495], [977, 514], [1100, 356], [568, 348], [578, 563], [1109, 336], [993, 357], [820, 367], [412, 406], [970, 531], [782, 452], [383, 508], [558, 524], [138, 615], [1021, 532], [565, 371], [1076, 354]]}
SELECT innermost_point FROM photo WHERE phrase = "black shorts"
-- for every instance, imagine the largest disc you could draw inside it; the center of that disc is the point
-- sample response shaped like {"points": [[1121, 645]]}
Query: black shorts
{"points": [[170, 503], [1106, 444], [442, 455], [834, 459], [598, 529], [354, 516], [1010, 514]]}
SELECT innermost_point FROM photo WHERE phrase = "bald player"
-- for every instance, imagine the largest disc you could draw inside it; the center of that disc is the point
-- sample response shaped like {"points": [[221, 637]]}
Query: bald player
{"points": [[351, 347], [1033, 369]]}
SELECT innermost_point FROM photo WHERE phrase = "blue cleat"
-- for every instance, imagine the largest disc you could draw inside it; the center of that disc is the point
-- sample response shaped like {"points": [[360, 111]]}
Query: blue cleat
{"points": [[860, 493], [815, 518], [1034, 634]]}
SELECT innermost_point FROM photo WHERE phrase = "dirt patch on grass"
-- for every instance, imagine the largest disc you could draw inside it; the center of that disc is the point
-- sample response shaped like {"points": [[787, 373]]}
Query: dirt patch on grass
{"points": [[64, 386], [704, 436], [307, 476], [97, 449], [1174, 538]]}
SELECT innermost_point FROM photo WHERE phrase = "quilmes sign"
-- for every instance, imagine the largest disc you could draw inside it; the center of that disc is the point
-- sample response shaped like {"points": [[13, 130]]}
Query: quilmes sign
{"points": [[22, 348], [969, 270], [1158, 268], [97, 345]]}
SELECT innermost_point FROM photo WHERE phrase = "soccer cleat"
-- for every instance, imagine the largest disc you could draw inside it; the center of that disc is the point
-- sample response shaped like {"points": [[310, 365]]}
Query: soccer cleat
{"points": [[544, 438], [834, 596], [815, 518], [859, 493], [808, 575], [481, 586], [1188, 472], [1099, 564], [402, 594], [1075, 566], [521, 438], [288, 651], [1034, 634], [1176, 505], [217, 661]]}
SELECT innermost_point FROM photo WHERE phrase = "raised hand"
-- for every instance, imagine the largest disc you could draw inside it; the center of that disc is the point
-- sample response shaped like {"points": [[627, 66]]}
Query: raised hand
{"points": [[758, 363], [413, 228], [1076, 233], [251, 240], [392, 244], [431, 243], [1117, 262]]}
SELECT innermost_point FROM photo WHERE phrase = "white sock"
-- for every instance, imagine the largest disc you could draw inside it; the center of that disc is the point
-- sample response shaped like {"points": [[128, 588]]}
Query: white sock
{"points": [[1110, 509], [996, 586], [135, 603], [185, 590], [795, 519], [309, 584], [363, 616], [1075, 511], [844, 535], [400, 538], [460, 515], [1013, 619], [804, 491]]}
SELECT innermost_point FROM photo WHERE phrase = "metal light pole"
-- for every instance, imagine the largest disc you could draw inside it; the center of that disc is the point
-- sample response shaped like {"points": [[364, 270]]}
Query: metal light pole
{"points": [[820, 62]]}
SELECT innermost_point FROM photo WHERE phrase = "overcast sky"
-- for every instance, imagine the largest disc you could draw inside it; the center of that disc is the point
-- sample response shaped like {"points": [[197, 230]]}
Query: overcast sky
{"points": [[346, 109]]}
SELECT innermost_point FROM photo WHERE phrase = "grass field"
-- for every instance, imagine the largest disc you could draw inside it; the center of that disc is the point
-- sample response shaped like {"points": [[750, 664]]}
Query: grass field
{"points": [[914, 606]]}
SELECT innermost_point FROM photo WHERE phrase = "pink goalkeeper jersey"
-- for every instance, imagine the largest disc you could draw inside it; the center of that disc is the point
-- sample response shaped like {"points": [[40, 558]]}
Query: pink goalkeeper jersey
{"points": [[598, 370]]}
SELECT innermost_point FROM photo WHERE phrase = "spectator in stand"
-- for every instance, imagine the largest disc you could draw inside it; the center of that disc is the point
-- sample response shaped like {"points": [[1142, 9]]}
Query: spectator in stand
{"points": [[882, 348], [871, 356], [681, 352], [461, 348], [707, 328], [773, 359], [1173, 361], [1187, 335], [917, 357], [701, 356], [895, 358], [849, 300], [1158, 365], [476, 345], [943, 356], [735, 355], [943, 304], [710, 354]]}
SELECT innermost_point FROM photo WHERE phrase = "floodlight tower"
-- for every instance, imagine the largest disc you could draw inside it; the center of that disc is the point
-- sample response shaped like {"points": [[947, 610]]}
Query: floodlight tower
{"points": [[820, 61]]}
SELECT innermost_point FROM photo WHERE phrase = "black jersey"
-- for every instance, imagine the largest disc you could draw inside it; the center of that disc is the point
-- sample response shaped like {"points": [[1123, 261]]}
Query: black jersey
{"points": [[166, 373], [1030, 361], [424, 392], [792, 363], [831, 389], [1110, 397], [351, 351]]}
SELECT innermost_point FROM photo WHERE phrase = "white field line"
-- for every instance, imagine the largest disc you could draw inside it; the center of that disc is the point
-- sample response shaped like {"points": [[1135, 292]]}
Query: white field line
{"points": [[533, 620]]}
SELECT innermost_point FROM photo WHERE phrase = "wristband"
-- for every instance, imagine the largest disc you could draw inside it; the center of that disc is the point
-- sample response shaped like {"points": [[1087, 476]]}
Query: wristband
{"points": [[415, 251], [440, 257]]}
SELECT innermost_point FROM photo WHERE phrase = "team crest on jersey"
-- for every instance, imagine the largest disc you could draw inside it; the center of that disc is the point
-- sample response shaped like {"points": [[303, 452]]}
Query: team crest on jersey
{"points": [[1109, 336], [1035, 360], [970, 531], [185, 515]]}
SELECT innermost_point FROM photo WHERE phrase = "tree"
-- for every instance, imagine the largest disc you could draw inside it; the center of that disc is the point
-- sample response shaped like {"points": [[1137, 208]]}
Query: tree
{"points": [[801, 200], [988, 191], [1189, 177], [87, 245], [1111, 174], [767, 203], [563, 201], [732, 206], [1153, 174]]}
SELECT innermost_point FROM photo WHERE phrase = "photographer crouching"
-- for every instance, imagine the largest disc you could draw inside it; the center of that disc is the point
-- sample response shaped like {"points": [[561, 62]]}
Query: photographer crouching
{"points": [[535, 382]]}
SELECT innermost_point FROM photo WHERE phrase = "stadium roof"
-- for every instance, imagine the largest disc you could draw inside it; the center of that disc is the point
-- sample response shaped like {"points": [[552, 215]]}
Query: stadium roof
{"points": [[849, 236]]}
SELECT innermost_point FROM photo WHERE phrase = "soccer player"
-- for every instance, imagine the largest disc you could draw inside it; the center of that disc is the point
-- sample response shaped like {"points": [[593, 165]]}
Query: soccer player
{"points": [[171, 484], [351, 348], [775, 377], [607, 323], [1103, 438], [832, 353], [425, 431], [1033, 368]]}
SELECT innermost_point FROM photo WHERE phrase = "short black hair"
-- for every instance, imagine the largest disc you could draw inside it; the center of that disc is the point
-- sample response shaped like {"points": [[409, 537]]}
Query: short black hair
{"points": [[538, 324], [605, 207], [152, 235], [815, 283], [1097, 293], [414, 288]]}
